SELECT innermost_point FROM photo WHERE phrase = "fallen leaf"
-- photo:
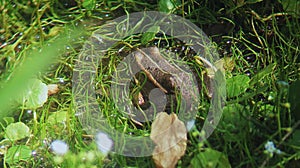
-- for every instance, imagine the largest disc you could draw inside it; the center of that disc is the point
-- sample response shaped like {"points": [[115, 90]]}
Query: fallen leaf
{"points": [[52, 89], [170, 136]]}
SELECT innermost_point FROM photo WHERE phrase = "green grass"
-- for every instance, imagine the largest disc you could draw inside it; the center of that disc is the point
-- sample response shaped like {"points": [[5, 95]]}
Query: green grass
{"points": [[260, 38]]}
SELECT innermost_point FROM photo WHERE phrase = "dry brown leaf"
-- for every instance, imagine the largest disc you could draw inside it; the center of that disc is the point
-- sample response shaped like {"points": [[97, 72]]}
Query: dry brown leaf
{"points": [[170, 136], [52, 89]]}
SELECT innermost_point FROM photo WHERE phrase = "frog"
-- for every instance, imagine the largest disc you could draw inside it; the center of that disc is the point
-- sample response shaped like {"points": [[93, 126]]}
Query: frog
{"points": [[159, 72]]}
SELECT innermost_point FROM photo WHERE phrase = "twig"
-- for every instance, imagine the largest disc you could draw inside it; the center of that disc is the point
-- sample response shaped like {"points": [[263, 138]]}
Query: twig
{"points": [[268, 17]]}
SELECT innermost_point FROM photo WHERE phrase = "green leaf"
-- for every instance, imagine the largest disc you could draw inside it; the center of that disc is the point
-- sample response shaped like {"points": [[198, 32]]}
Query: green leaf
{"points": [[35, 95], [252, 1], [262, 74], [294, 98], [232, 122], [210, 159], [167, 5], [17, 131], [150, 34], [295, 140], [57, 117], [237, 85], [17, 153], [8, 120], [89, 4], [292, 6], [55, 31]]}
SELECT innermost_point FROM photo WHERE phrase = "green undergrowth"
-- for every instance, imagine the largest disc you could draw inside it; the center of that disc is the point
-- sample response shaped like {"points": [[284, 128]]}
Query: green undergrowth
{"points": [[257, 40]]}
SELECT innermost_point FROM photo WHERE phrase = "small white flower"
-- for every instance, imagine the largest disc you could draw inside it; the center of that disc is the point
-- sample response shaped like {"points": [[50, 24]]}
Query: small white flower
{"points": [[33, 153], [29, 111], [61, 80], [104, 143], [59, 147], [271, 149]]}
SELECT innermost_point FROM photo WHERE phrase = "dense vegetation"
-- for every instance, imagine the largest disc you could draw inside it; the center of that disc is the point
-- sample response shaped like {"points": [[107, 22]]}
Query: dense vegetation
{"points": [[258, 41]]}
